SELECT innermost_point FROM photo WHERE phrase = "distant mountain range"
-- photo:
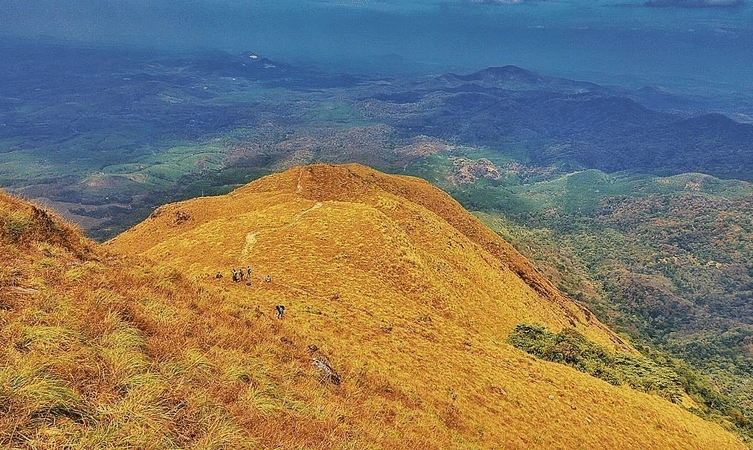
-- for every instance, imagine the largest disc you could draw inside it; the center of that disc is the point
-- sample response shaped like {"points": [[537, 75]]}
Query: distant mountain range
{"points": [[606, 129]]}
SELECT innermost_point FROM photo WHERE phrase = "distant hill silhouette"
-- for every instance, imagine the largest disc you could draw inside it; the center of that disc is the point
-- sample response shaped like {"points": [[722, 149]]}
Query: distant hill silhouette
{"points": [[605, 128]]}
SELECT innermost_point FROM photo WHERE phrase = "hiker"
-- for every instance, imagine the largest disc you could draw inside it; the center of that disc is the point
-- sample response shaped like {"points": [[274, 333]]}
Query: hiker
{"points": [[268, 279], [240, 273], [248, 270], [235, 276], [280, 311]]}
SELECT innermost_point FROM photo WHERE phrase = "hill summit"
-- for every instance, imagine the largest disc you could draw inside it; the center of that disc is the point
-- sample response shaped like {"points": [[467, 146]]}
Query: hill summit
{"points": [[398, 304], [350, 231], [398, 285]]}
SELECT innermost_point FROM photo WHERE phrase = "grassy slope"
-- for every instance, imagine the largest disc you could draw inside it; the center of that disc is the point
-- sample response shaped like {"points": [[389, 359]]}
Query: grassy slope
{"points": [[96, 352], [413, 321]]}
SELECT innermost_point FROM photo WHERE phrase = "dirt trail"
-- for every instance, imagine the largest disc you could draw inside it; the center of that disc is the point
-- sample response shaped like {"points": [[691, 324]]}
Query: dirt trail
{"points": [[299, 189], [251, 236], [250, 241]]}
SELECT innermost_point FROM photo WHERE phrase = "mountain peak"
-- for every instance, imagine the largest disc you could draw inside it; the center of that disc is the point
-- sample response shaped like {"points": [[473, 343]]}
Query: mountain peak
{"points": [[393, 278], [397, 229], [507, 73], [361, 187], [393, 336]]}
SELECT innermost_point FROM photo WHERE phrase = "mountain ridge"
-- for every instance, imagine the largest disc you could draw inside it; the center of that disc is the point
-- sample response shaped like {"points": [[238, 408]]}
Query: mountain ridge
{"points": [[395, 303], [355, 184], [101, 347]]}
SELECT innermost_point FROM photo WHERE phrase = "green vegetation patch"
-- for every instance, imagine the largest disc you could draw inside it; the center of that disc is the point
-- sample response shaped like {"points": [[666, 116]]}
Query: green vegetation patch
{"points": [[41, 394], [573, 349], [13, 224], [48, 336], [650, 371]]}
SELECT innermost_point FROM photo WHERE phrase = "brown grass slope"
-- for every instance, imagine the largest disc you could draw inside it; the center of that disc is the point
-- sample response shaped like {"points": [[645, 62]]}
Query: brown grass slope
{"points": [[99, 353], [408, 299]]}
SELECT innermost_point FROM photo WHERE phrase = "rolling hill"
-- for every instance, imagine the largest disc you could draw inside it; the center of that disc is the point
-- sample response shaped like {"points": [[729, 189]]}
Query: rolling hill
{"points": [[398, 306]]}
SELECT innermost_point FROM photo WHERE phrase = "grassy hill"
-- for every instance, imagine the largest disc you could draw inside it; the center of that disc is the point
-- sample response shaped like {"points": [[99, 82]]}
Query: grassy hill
{"points": [[398, 307]]}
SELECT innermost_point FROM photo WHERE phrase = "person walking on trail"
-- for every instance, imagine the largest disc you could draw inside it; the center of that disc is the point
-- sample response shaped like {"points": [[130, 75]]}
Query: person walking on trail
{"points": [[280, 311], [240, 274], [248, 270], [235, 276]]}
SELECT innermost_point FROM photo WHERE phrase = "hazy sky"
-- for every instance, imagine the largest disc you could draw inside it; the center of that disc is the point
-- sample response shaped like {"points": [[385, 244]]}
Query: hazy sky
{"points": [[682, 38]]}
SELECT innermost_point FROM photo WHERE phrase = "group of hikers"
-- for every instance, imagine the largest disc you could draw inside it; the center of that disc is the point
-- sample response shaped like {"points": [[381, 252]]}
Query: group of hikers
{"points": [[238, 277], [240, 273]]}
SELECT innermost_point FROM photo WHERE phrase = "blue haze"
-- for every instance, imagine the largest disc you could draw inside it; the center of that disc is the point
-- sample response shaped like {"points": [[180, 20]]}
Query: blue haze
{"points": [[604, 41]]}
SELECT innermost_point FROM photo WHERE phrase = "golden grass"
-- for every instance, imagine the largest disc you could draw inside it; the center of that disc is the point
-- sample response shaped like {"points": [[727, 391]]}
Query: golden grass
{"points": [[410, 309]]}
